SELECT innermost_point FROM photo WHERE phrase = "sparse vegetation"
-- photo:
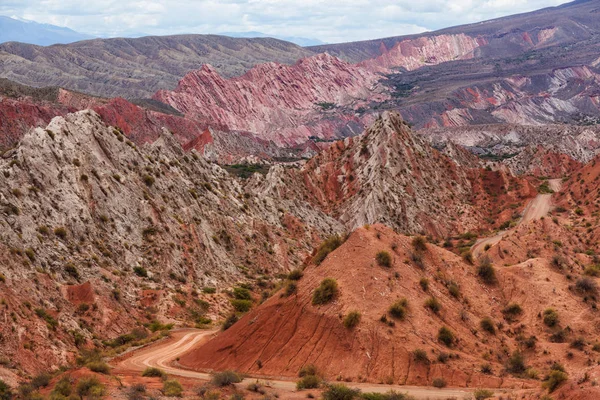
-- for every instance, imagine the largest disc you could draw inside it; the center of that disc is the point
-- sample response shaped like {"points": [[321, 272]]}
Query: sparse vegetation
{"points": [[419, 244], [226, 378], [384, 259], [554, 379], [326, 292], [328, 245], [152, 372], [424, 283], [486, 271], [61, 232], [512, 311], [140, 271], [295, 275], [439, 382], [420, 356], [308, 382], [516, 363], [482, 394], [351, 319], [488, 325], [586, 285], [550, 317], [230, 321], [340, 392], [89, 387], [172, 388], [446, 336], [241, 305], [433, 304], [399, 310]]}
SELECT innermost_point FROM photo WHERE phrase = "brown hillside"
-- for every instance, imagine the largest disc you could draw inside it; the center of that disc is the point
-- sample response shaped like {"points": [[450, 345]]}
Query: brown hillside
{"points": [[286, 333]]}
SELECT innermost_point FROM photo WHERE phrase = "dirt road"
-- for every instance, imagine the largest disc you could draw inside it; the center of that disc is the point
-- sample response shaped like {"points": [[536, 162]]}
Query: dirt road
{"points": [[537, 208], [162, 354]]}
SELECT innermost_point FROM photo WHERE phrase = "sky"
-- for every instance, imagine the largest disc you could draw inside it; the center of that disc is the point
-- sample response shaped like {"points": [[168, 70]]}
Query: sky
{"points": [[330, 21]]}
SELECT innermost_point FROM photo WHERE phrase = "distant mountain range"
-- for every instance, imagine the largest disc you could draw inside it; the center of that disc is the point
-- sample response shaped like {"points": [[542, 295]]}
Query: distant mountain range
{"points": [[17, 30], [300, 41], [31, 32]]}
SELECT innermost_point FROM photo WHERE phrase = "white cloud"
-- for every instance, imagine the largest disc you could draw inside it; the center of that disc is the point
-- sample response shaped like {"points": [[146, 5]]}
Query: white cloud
{"points": [[330, 21]]}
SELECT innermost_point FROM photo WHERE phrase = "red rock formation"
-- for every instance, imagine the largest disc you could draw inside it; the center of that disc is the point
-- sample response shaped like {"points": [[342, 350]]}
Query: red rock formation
{"points": [[277, 102], [430, 50]]}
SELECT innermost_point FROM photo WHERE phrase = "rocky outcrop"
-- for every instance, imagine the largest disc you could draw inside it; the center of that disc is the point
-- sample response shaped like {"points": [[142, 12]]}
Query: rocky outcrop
{"points": [[80, 202], [580, 143], [286, 104], [412, 54], [388, 175]]}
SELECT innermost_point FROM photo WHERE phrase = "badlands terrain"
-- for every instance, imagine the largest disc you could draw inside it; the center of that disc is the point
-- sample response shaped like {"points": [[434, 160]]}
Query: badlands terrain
{"points": [[207, 217]]}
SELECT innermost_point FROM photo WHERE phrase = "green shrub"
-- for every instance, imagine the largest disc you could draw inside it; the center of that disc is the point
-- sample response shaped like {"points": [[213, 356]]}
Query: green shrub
{"points": [[592, 270], [550, 317], [391, 395], [554, 380], [155, 326], [424, 282], [140, 271], [209, 290], [446, 336], [420, 356], [328, 245], [351, 319], [230, 321], [586, 285], [340, 392], [226, 378], [308, 369], [516, 363], [295, 275], [439, 382], [326, 292], [62, 388], [172, 388], [486, 271], [482, 394], [61, 232], [148, 180], [512, 311], [433, 304], [2, 278], [384, 259], [454, 290], [308, 382], [5, 391], [290, 288], [152, 372], [41, 380], [398, 310], [241, 305], [488, 325], [468, 257], [89, 387], [99, 366], [72, 271], [419, 243], [241, 293]]}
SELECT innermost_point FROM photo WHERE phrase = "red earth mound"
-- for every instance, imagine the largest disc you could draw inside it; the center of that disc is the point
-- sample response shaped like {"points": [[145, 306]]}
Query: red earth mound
{"points": [[286, 333]]}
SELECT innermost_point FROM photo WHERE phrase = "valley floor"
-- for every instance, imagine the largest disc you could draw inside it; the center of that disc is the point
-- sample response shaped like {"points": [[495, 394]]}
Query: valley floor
{"points": [[164, 354]]}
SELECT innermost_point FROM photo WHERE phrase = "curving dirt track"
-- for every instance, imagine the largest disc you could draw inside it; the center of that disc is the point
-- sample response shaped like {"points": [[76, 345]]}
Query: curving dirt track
{"points": [[535, 209], [163, 354]]}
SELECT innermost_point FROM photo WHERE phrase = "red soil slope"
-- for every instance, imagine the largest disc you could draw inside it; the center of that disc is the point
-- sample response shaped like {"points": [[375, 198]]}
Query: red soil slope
{"points": [[286, 333]]}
